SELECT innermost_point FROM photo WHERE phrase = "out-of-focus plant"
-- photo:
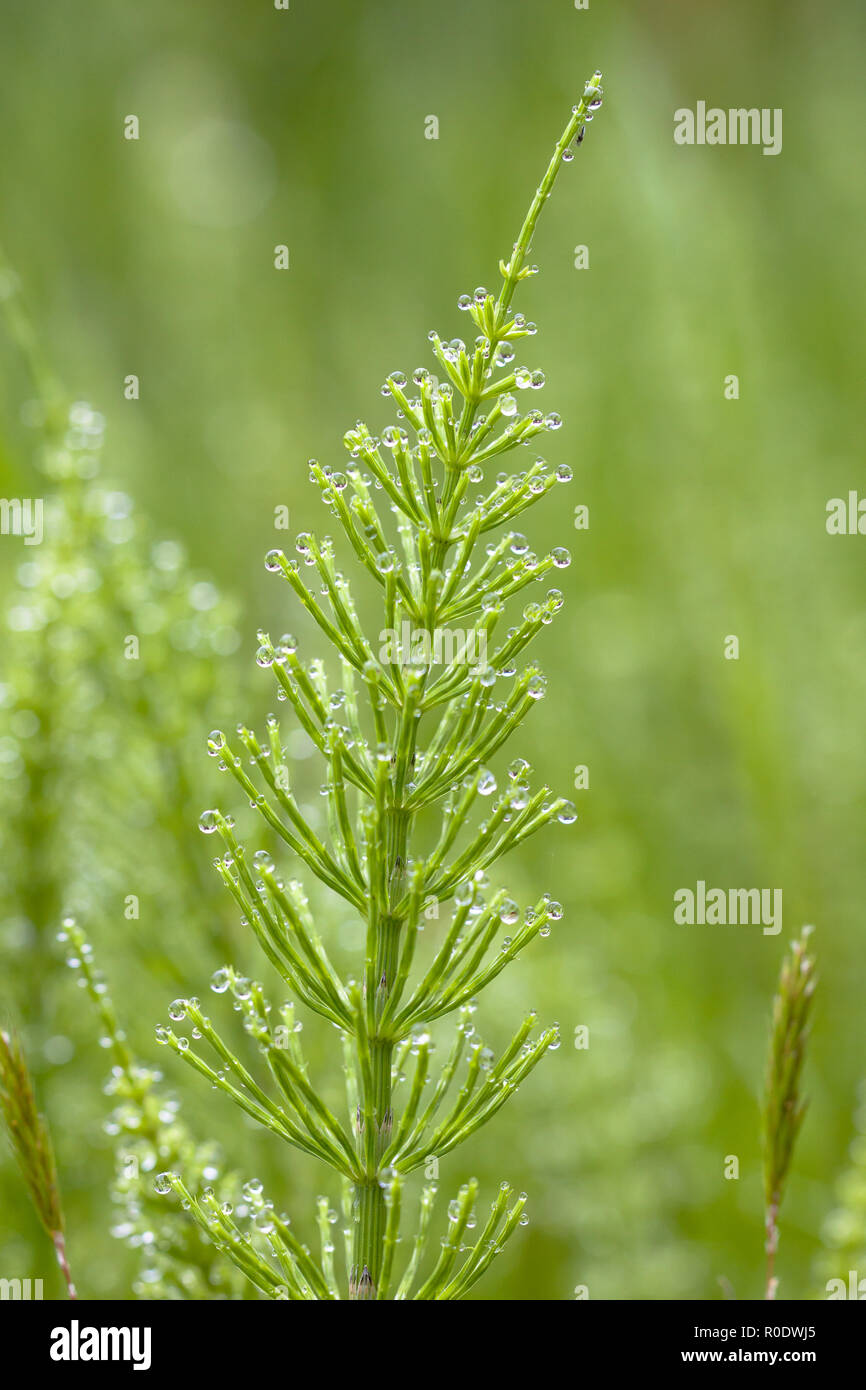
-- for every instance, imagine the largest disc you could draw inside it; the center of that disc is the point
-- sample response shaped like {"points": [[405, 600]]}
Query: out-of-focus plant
{"points": [[842, 1261], [108, 665], [784, 1106], [175, 1259], [107, 668], [31, 1143], [425, 737]]}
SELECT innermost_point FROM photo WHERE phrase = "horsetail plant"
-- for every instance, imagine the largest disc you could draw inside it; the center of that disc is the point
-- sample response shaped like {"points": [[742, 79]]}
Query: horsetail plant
{"points": [[426, 738], [176, 1262], [106, 618]]}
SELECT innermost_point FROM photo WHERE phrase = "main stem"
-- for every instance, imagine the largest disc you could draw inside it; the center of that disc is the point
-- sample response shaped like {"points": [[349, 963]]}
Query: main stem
{"points": [[369, 1197]]}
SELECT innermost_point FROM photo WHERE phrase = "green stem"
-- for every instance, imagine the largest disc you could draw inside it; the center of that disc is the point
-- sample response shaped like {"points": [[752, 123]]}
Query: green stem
{"points": [[369, 1196], [395, 824], [368, 1241], [512, 271]]}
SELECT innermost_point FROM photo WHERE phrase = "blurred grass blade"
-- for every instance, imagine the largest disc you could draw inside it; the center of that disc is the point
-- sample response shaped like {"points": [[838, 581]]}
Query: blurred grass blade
{"points": [[784, 1107], [31, 1143]]}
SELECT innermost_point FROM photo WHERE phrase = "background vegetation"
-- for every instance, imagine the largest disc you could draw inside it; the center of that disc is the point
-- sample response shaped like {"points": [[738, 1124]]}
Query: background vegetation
{"points": [[707, 518]]}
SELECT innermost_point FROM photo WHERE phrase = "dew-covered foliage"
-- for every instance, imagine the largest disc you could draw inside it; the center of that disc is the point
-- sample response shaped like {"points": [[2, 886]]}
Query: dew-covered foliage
{"points": [[415, 820], [174, 1259], [110, 647], [666, 268]]}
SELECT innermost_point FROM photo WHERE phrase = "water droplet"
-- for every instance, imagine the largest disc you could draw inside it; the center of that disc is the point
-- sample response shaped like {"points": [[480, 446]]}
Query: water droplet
{"points": [[392, 437], [208, 822]]}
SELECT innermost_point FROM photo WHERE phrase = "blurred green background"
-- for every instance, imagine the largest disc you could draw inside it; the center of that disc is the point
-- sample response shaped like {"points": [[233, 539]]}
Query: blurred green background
{"points": [[155, 257]]}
